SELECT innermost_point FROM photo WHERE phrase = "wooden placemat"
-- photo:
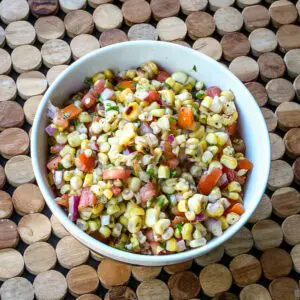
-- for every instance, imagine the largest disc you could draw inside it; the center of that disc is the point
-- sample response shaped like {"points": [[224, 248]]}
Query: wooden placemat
{"points": [[259, 40]]}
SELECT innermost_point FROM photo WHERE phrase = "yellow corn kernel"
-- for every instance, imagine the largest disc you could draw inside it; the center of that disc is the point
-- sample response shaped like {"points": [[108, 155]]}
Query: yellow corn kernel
{"points": [[202, 118], [137, 211], [152, 215], [98, 209], [228, 95], [187, 231], [128, 134], [132, 111], [105, 231], [88, 180], [230, 120], [232, 218], [97, 76], [68, 175], [67, 150], [108, 193], [206, 102], [222, 138], [203, 145], [171, 245], [130, 74], [168, 96], [228, 161], [234, 196], [199, 133], [182, 206], [211, 138], [112, 209], [108, 74], [50, 178], [134, 224], [124, 221], [170, 81], [121, 97], [234, 186], [161, 226], [84, 144], [190, 215], [215, 121], [194, 203], [76, 182], [224, 223], [65, 189]]}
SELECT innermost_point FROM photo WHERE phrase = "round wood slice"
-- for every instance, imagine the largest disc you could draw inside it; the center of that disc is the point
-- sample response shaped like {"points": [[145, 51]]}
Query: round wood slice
{"points": [[53, 73], [50, 282], [277, 146], [140, 32], [55, 52], [298, 8], [153, 289], [6, 206], [145, 273], [96, 256], [58, 229], [245, 269], [296, 170], [288, 115], [240, 243], [283, 12], [49, 28], [171, 29], [292, 142], [2, 37], [295, 255], [11, 115], [9, 237], [136, 12], [82, 280], [211, 257], [31, 84], [263, 210], [78, 22], [39, 257], [228, 19], [283, 288], [235, 44], [8, 89], [19, 33], [246, 3], [256, 16], [267, 234], [280, 90], [271, 66], [17, 288], [214, 279], [288, 37], [245, 68], [164, 9], [276, 262], [11, 262], [30, 107], [209, 46], [112, 273], [13, 10], [18, 170], [5, 62], [189, 6], [224, 296], [292, 62], [83, 44], [255, 292], [70, 5], [114, 36], [2, 179], [89, 297], [71, 253], [180, 267], [13, 141], [290, 228], [120, 292], [184, 285], [95, 3], [270, 118], [43, 7], [214, 5], [258, 91], [200, 24], [107, 16]]}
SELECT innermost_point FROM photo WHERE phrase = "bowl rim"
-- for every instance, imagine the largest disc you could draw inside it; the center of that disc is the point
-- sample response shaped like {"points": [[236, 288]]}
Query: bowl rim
{"points": [[89, 241]]}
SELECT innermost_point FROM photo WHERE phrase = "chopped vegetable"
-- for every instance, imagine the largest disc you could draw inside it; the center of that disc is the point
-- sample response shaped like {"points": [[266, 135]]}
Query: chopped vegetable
{"points": [[209, 181], [186, 118], [116, 173], [71, 112]]}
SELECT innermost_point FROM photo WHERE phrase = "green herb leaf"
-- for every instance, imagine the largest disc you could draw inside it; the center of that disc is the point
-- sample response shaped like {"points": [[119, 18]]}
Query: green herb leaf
{"points": [[195, 68], [173, 173], [116, 108], [60, 166], [179, 227], [67, 115]]}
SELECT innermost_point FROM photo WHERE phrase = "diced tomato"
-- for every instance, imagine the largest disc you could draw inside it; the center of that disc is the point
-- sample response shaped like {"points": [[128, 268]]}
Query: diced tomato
{"points": [[87, 163], [87, 199], [162, 76], [232, 129], [60, 121], [99, 87], [232, 176], [244, 164], [179, 220], [168, 153], [186, 118], [149, 235], [153, 96], [89, 100], [209, 181], [71, 111], [53, 163], [127, 85], [147, 192], [63, 201], [213, 91], [237, 208], [116, 190], [173, 163], [116, 173]]}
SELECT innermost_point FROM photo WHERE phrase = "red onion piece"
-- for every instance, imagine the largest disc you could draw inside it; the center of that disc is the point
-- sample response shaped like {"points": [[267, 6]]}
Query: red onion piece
{"points": [[58, 178], [51, 112], [214, 226], [223, 181], [171, 138], [200, 217], [145, 128], [56, 148], [107, 94], [73, 208], [50, 130]]}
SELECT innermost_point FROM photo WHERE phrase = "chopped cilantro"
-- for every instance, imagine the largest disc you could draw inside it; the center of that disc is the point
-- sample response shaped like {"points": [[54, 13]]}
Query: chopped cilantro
{"points": [[173, 173], [163, 245], [200, 95], [60, 166], [151, 173], [67, 115], [179, 227], [195, 68], [113, 107]]}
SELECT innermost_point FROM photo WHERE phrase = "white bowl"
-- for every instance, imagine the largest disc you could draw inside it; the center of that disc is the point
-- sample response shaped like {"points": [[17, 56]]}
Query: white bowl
{"points": [[172, 57]]}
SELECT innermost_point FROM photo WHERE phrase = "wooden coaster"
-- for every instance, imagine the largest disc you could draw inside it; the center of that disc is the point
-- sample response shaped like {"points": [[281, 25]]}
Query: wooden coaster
{"points": [[112, 273], [258, 91], [145, 273], [211, 257], [228, 19], [43, 7], [83, 44], [89, 297], [290, 229], [5, 62], [39, 257], [18, 170], [50, 282], [53, 73], [256, 16], [9, 237], [13, 141], [119, 292], [71, 253], [296, 170], [107, 16], [288, 115], [34, 228], [271, 66], [114, 36], [136, 12], [58, 229], [11, 262], [280, 90], [245, 68], [209, 46], [263, 210], [234, 44], [95, 3], [240, 243], [214, 5], [292, 142], [70, 5], [96, 256], [8, 89], [245, 269], [200, 24], [82, 280], [267, 234], [11, 115], [292, 62], [17, 288], [283, 12], [295, 255], [30, 107], [277, 146], [2, 179], [184, 285], [276, 262], [170, 29], [153, 289], [164, 9], [225, 296], [2, 37], [246, 3], [270, 118], [49, 28], [255, 292], [288, 37], [180, 267], [78, 22], [6, 206], [214, 279], [283, 288], [139, 32], [55, 52], [13, 10], [19, 33], [188, 6]]}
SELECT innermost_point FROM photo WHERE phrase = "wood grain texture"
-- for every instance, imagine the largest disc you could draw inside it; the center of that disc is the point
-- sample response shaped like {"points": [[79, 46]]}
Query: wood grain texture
{"points": [[171, 29], [58, 229], [209, 46], [48, 28], [245, 68], [189, 6], [78, 22], [8, 89], [141, 32], [200, 24], [277, 146], [153, 289], [258, 91], [296, 170], [136, 12], [292, 142], [263, 210], [5, 62], [30, 107], [145, 273], [43, 7], [283, 288], [270, 119], [120, 292], [292, 62], [295, 255], [280, 90], [180, 267], [288, 115], [9, 236], [290, 230], [11, 262], [255, 292], [53, 73], [17, 288], [83, 44], [271, 66], [288, 37], [164, 9], [256, 16], [6, 206], [283, 12], [13, 10], [11, 115]]}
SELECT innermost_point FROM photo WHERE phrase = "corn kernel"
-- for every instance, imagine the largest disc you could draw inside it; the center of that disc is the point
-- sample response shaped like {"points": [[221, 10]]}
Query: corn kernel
{"points": [[228, 95], [98, 209], [194, 203], [152, 215], [88, 180], [137, 211], [234, 196], [207, 102], [187, 231], [224, 223], [134, 224], [207, 157], [171, 245], [211, 138], [132, 111], [108, 193], [161, 226], [215, 121], [124, 221], [105, 231], [232, 218], [65, 189], [234, 186], [134, 184], [228, 161], [84, 144], [112, 209], [215, 209], [168, 96], [76, 182], [222, 138], [183, 206], [190, 215]]}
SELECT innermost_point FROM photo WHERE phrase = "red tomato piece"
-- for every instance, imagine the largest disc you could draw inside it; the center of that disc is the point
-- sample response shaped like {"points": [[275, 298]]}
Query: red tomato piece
{"points": [[116, 190], [213, 91], [153, 96], [99, 87], [63, 201], [89, 100], [168, 151], [179, 220], [53, 163], [173, 163], [232, 129], [71, 111], [209, 181], [87, 199], [116, 173], [149, 235], [186, 118], [60, 121], [87, 163], [162, 76], [237, 208], [147, 192], [245, 164]]}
